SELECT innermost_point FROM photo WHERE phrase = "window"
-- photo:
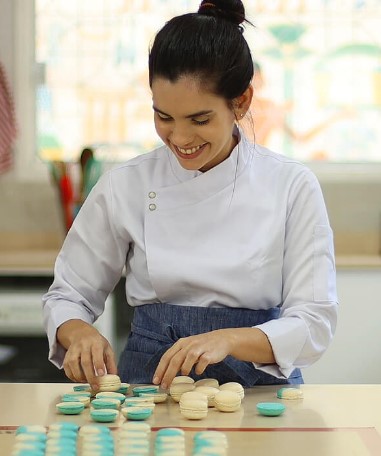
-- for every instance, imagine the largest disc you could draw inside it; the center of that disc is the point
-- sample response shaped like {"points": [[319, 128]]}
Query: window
{"points": [[318, 96]]}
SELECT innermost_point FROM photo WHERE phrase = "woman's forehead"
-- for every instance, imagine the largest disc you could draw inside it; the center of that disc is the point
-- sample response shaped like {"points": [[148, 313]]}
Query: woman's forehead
{"points": [[187, 93]]}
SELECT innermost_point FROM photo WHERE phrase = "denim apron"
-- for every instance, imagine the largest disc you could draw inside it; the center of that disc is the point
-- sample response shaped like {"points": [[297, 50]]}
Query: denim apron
{"points": [[156, 327]]}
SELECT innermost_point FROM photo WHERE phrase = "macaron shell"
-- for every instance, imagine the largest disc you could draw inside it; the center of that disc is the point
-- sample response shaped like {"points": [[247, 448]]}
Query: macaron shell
{"points": [[106, 403], [104, 415], [70, 408], [136, 413], [157, 397], [270, 408], [111, 395], [209, 392], [182, 379], [227, 401], [233, 386], [144, 389], [289, 393], [109, 382], [194, 409], [208, 382]]}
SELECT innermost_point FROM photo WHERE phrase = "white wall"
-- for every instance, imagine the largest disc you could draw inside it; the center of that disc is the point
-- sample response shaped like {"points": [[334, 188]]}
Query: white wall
{"points": [[355, 353]]}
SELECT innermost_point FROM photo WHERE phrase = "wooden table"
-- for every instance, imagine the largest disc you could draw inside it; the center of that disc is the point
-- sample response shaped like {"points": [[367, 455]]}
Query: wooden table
{"points": [[331, 420]]}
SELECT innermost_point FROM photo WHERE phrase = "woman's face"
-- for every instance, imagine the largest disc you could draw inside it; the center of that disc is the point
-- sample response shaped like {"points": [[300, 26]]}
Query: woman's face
{"points": [[194, 123]]}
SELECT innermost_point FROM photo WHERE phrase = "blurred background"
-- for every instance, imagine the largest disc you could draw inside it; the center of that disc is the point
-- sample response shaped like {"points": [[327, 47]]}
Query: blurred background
{"points": [[75, 101]]}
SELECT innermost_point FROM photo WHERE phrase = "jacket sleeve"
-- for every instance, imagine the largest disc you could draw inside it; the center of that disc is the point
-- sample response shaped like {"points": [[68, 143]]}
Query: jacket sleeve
{"points": [[309, 301], [87, 268]]}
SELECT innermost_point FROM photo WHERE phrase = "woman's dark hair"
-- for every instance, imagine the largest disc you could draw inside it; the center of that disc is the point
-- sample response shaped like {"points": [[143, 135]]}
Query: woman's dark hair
{"points": [[208, 45]]}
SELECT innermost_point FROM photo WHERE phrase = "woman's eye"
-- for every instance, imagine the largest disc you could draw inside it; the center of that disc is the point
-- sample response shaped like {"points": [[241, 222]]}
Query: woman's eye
{"points": [[201, 122], [164, 119]]}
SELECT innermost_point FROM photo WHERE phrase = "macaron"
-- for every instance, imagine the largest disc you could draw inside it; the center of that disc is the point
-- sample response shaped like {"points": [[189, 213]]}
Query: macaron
{"points": [[85, 400], [62, 434], [177, 389], [31, 437], [270, 408], [233, 386], [70, 408], [289, 393], [111, 395], [207, 382], [193, 409], [211, 436], [104, 415], [182, 379], [77, 393], [209, 392], [28, 447], [144, 389], [227, 401], [63, 425], [138, 400], [157, 397], [31, 428], [136, 413], [93, 429], [123, 388], [132, 426], [149, 405], [104, 403], [194, 396], [170, 432], [109, 382], [82, 387]]}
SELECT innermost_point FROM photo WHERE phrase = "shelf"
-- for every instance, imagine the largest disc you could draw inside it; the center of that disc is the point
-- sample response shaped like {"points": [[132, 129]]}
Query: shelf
{"points": [[27, 262]]}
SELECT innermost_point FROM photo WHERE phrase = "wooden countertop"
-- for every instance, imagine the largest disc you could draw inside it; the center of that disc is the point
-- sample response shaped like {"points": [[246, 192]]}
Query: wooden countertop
{"points": [[331, 420]]}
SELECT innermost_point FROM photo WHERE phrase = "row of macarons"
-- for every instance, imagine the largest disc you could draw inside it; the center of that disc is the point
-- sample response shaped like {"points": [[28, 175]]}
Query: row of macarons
{"points": [[195, 398], [67, 439], [105, 404]]}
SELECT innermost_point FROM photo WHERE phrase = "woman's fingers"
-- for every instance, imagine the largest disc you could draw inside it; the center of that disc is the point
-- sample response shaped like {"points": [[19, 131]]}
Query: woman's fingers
{"points": [[110, 361], [89, 358], [191, 352]]}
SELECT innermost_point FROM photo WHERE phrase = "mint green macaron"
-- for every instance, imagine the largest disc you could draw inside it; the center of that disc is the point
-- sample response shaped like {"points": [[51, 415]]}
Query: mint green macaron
{"points": [[70, 408], [270, 408], [137, 413], [104, 415]]}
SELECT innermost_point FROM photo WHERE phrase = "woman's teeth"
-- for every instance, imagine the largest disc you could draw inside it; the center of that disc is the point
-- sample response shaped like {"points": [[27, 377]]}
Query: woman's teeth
{"points": [[189, 151]]}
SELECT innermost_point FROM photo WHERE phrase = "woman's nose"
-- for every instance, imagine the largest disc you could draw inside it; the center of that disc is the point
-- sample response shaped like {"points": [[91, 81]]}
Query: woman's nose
{"points": [[181, 136]]}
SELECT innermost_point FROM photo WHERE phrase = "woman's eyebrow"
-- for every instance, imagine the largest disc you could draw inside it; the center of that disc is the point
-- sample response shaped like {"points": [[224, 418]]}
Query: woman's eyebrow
{"points": [[195, 114]]}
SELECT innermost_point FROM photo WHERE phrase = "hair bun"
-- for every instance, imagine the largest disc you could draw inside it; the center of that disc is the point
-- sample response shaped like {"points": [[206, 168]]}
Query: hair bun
{"points": [[231, 10]]}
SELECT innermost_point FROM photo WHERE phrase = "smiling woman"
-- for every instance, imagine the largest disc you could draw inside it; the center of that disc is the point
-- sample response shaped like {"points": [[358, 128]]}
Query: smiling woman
{"points": [[199, 128], [226, 245]]}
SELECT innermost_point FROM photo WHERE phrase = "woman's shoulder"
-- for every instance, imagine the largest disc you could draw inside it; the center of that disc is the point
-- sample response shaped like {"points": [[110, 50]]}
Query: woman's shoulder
{"points": [[277, 162]]}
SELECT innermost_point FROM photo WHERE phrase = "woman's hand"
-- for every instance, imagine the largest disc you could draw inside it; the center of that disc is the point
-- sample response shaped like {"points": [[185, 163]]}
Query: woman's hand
{"points": [[88, 355], [245, 344], [199, 351]]}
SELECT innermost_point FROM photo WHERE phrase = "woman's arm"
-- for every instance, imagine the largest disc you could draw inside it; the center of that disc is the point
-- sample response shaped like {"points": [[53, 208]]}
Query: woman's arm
{"points": [[245, 344]]}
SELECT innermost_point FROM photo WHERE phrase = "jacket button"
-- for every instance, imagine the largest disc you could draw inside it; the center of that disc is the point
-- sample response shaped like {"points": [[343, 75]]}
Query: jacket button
{"points": [[152, 207], [152, 194]]}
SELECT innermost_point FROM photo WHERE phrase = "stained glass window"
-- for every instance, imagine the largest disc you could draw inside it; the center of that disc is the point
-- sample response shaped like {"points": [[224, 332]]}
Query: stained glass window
{"points": [[317, 94]]}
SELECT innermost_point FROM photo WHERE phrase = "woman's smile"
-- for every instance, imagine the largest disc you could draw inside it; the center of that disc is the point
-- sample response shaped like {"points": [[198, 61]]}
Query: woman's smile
{"points": [[189, 153]]}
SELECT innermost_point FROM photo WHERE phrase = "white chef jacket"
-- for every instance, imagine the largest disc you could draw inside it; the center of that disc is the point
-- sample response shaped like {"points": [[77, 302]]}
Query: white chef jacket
{"points": [[252, 232]]}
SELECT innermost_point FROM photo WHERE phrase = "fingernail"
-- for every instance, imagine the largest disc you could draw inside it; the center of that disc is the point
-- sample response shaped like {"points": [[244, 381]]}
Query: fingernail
{"points": [[100, 372], [156, 380], [164, 386], [94, 387]]}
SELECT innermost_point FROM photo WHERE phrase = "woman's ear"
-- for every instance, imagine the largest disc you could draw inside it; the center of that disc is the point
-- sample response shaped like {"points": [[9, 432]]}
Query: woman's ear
{"points": [[242, 103]]}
